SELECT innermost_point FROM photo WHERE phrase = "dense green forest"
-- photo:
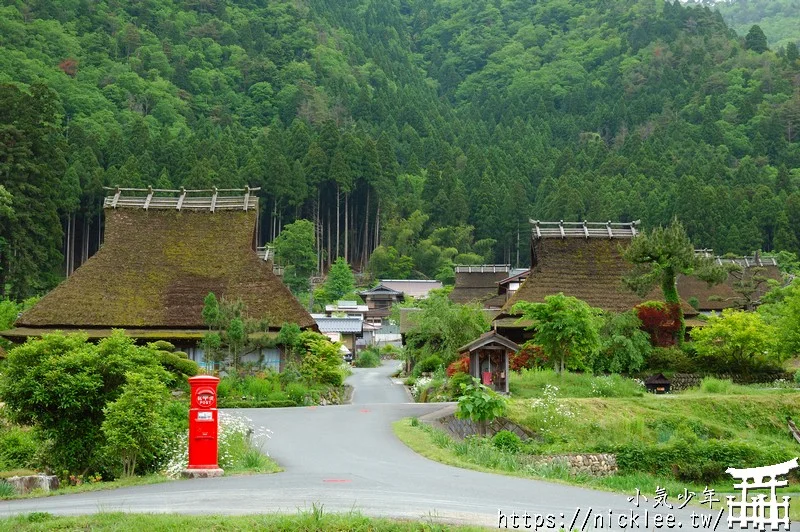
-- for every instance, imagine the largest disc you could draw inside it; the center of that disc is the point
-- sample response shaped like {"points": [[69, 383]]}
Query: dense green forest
{"points": [[780, 19], [419, 132]]}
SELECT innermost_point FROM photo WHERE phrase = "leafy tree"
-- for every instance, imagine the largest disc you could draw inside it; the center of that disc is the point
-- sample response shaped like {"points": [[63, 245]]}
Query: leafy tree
{"points": [[624, 346], [387, 263], [321, 363], [780, 309], [60, 385], [231, 334], [135, 425], [659, 256], [294, 248], [340, 281], [441, 327], [479, 404], [756, 40], [567, 329], [737, 341]]}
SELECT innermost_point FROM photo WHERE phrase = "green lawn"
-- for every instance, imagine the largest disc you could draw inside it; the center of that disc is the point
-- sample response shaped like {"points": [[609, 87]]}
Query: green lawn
{"points": [[314, 520]]}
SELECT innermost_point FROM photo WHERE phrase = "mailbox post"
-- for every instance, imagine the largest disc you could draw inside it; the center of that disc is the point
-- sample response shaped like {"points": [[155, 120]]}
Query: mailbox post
{"points": [[203, 428]]}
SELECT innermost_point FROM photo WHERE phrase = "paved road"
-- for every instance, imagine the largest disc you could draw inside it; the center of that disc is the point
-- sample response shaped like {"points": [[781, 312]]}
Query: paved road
{"points": [[347, 457]]}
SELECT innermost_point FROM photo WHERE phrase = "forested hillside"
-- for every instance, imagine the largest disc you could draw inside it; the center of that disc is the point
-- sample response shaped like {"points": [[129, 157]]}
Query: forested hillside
{"points": [[428, 129], [779, 19]]}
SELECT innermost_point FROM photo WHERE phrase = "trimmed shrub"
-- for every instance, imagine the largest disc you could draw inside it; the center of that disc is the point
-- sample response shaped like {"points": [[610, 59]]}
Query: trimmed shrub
{"points": [[430, 364], [455, 383], [528, 357], [670, 359], [505, 440], [173, 363]]}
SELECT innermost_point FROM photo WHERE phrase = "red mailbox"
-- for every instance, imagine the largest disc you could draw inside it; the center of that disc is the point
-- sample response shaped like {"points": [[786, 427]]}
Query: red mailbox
{"points": [[203, 423]]}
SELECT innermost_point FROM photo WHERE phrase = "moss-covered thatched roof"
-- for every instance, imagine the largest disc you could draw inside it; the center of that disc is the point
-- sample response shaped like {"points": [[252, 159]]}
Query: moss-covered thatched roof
{"points": [[156, 267], [589, 269], [724, 295]]}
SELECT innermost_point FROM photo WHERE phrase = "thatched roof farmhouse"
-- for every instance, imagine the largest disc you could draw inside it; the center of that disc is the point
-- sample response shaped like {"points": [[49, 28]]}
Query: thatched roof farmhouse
{"points": [[160, 258]]}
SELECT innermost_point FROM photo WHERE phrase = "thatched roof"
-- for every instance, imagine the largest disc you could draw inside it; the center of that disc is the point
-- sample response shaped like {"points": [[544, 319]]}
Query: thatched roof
{"points": [[156, 266], [723, 295], [478, 284], [589, 269]]}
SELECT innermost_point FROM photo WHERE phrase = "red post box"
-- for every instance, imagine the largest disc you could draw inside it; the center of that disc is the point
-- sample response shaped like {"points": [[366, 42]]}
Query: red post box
{"points": [[203, 425]]}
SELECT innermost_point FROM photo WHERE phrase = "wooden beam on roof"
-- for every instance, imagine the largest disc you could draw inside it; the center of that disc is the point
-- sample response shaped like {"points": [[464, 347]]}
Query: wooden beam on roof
{"points": [[246, 196], [148, 198], [181, 198], [608, 228], [561, 228], [214, 199], [116, 198]]}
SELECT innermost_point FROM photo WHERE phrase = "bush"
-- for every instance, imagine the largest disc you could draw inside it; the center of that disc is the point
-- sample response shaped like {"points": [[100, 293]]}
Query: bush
{"points": [[322, 361], [178, 365], [459, 366], [670, 359], [430, 364], [61, 385], [456, 381], [505, 440], [695, 461], [797, 376], [528, 357], [712, 385], [135, 426], [480, 404], [17, 448], [368, 358]]}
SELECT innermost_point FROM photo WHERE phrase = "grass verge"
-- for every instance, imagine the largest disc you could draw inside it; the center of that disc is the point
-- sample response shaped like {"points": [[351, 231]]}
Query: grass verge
{"points": [[480, 455], [314, 519]]}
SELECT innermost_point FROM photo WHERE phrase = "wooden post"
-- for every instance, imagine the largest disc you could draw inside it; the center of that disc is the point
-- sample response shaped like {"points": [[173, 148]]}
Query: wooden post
{"points": [[181, 198], [214, 200]]}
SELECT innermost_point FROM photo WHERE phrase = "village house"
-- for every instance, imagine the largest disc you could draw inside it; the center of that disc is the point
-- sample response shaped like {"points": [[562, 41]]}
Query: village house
{"points": [[478, 284], [581, 259], [163, 253], [379, 300], [749, 278]]}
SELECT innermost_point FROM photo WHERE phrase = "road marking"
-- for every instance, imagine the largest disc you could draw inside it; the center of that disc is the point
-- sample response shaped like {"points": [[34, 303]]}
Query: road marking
{"points": [[336, 480], [364, 411]]}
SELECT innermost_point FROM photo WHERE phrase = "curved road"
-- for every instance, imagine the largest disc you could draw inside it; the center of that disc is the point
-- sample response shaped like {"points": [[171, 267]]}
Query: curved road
{"points": [[347, 458]]}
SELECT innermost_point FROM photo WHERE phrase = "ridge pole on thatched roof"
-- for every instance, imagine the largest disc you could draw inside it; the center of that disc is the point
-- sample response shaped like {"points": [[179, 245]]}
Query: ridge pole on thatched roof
{"points": [[117, 193], [246, 196], [149, 197], [181, 198], [214, 199]]}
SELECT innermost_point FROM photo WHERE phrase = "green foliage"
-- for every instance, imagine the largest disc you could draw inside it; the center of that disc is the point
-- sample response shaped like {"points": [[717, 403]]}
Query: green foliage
{"points": [[670, 359], [294, 248], [135, 427], [230, 335], [387, 263], [289, 338], [429, 364], [567, 329], [713, 385], [782, 310], [340, 281], [479, 404], [737, 341], [537, 382], [507, 441], [442, 327], [659, 256], [368, 358], [755, 40], [18, 448], [322, 360], [624, 347], [61, 385]]}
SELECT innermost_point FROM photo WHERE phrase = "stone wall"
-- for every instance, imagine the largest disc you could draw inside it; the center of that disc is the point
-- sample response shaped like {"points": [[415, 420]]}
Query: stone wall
{"points": [[596, 465], [461, 428], [683, 381]]}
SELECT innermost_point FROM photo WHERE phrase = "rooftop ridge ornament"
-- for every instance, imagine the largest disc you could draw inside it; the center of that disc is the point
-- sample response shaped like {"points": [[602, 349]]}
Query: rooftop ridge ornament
{"points": [[584, 229], [182, 199]]}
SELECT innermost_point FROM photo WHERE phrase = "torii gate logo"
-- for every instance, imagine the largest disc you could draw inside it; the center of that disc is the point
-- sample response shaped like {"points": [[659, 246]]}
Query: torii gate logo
{"points": [[757, 509]]}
